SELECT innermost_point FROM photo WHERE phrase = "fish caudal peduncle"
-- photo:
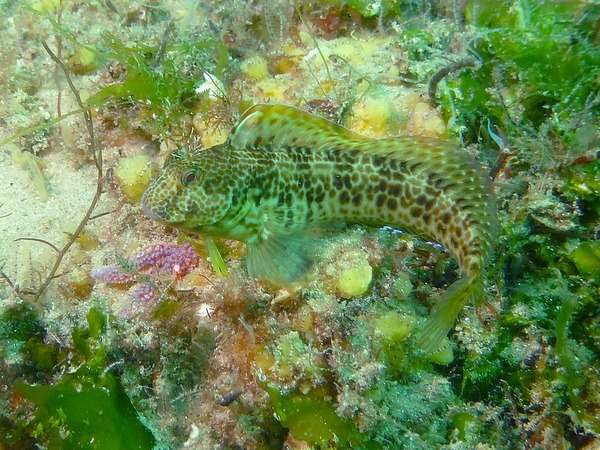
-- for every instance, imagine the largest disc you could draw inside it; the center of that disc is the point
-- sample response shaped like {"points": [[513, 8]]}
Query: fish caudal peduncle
{"points": [[283, 171]]}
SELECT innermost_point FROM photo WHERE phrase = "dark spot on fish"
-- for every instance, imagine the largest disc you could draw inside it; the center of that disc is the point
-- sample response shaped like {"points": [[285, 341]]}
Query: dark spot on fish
{"points": [[427, 218], [344, 197], [337, 182], [320, 196], [380, 200], [421, 199], [378, 160], [395, 190], [392, 204], [446, 218], [353, 153], [347, 182], [430, 191], [357, 199], [416, 212]]}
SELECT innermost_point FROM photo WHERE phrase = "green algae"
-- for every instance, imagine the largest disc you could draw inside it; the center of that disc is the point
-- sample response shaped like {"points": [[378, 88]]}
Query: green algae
{"points": [[586, 258], [538, 65], [156, 79], [86, 408], [543, 343], [77, 413], [312, 419], [20, 323]]}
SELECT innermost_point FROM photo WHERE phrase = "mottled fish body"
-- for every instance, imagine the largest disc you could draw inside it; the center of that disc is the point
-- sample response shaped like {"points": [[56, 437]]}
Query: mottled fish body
{"points": [[283, 171]]}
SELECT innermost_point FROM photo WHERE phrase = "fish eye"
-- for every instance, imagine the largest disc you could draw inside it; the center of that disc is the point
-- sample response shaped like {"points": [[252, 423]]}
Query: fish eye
{"points": [[190, 177]]}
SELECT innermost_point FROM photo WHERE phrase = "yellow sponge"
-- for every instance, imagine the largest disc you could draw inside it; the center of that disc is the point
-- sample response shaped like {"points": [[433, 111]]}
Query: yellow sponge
{"points": [[134, 174]]}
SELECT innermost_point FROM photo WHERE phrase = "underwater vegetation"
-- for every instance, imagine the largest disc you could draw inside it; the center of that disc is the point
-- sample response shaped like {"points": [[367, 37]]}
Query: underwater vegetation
{"points": [[122, 333]]}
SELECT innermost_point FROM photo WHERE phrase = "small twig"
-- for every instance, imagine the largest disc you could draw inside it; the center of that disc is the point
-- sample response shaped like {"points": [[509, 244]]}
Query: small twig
{"points": [[516, 415], [8, 280], [316, 44], [443, 72], [5, 215], [59, 56], [163, 44], [97, 155], [105, 213], [43, 241]]}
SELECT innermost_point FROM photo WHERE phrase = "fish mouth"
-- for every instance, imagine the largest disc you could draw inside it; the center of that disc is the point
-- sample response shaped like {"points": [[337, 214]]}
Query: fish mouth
{"points": [[159, 218], [148, 212]]}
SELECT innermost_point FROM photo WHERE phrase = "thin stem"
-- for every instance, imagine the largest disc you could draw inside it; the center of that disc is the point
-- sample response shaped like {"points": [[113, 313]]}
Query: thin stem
{"points": [[97, 155]]}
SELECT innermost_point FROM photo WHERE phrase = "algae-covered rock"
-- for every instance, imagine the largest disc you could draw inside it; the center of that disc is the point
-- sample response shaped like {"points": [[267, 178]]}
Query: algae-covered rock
{"points": [[394, 327], [443, 355], [134, 174], [256, 68], [586, 258], [312, 419], [354, 277]]}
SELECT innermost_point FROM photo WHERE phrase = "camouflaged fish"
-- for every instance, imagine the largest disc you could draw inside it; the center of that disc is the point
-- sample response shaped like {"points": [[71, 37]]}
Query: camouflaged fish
{"points": [[283, 171]]}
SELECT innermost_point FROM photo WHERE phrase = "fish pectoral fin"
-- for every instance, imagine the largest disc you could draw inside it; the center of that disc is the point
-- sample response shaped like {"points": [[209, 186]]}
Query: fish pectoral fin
{"points": [[446, 310], [281, 259]]}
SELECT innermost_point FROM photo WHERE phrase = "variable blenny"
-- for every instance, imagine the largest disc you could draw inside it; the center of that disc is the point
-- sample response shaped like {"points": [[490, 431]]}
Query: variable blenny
{"points": [[283, 171]]}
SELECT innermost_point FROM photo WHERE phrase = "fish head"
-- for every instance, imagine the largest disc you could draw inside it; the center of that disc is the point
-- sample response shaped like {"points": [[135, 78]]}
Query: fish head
{"points": [[193, 192]]}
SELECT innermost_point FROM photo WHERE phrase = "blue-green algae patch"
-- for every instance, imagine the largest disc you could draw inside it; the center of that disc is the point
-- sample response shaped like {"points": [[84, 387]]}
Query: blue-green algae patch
{"points": [[87, 408], [95, 415], [313, 419]]}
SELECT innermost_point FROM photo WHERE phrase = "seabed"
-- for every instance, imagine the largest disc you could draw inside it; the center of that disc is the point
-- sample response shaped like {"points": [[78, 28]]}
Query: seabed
{"points": [[110, 347]]}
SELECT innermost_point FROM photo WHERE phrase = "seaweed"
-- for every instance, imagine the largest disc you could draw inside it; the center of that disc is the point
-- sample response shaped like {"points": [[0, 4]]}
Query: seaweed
{"points": [[163, 80], [87, 408], [538, 66]]}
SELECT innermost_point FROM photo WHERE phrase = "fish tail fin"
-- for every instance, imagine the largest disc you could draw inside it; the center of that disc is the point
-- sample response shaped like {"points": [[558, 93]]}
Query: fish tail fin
{"points": [[444, 313]]}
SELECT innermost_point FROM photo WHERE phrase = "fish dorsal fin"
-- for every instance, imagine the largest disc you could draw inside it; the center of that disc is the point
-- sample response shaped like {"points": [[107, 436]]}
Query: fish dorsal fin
{"points": [[282, 126]]}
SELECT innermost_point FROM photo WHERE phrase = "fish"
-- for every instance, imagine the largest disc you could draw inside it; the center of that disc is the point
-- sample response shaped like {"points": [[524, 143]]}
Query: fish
{"points": [[283, 172]]}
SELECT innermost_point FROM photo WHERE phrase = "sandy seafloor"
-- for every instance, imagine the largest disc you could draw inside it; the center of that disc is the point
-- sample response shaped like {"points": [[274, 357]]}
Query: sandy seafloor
{"points": [[213, 363]]}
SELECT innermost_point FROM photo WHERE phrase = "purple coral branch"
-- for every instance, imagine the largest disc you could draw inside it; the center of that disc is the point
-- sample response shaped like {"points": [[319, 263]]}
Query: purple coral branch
{"points": [[165, 258]]}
